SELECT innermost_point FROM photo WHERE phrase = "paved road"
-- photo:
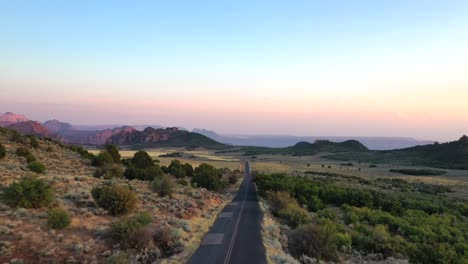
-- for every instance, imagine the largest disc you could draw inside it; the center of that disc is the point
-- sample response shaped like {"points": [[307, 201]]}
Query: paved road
{"points": [[235, 236]]}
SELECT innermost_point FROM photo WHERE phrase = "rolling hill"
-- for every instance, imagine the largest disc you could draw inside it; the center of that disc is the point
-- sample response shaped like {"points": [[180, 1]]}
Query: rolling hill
{"points": [[450, 155], [306, 148], [168, 137]]}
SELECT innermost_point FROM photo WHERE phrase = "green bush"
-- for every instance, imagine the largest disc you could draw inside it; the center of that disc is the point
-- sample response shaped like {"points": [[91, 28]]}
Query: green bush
{"points": [[118, 258], [295, 215], [314, 241], [83, 152], [232, 179], [183, 182], [163, 186], [29, 192], [127, 232], [142, 159], [113, 150], [102, 159], [180, 170], [142, 167], [116, 199], [2, 151], [279, 201], [37, 167], [207, 176], [23, 152], [33, 141], [109, 171], [58, 218], [16, 136]]}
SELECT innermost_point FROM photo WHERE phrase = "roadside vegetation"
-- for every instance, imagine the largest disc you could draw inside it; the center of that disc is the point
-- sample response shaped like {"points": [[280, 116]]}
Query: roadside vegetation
{"points": [[383, 218], [67, 205]]}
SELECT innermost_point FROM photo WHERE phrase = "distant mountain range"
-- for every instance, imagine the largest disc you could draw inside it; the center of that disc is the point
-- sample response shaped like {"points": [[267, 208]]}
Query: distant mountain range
{"points": [[100, 134], [281, 141], [149, 136]]}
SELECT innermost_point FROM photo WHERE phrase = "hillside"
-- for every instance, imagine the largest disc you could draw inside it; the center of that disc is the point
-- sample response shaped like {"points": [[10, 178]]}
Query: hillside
{"points": [[90, 235], [169, 137], [30, 127], [451, 155], [307, 148]]}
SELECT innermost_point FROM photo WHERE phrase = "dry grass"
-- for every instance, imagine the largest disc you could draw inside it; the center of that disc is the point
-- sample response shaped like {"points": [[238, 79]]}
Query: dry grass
{"points": [[190, 211]]}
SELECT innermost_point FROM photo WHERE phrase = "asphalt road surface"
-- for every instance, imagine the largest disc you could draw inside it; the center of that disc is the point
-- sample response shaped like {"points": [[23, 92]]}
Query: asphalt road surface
{"points": [[235, 237]]}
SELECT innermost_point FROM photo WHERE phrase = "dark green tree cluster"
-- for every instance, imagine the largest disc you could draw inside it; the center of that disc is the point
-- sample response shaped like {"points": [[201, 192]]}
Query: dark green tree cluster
{"points": [[108, 163], [142, 167], [116, 199], [28, 192], [422, 226], [207, 176], [180, 170]]}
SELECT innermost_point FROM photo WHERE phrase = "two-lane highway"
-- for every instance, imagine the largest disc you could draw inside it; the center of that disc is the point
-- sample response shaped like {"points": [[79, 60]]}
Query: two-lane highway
{"points": [[235, 237]]}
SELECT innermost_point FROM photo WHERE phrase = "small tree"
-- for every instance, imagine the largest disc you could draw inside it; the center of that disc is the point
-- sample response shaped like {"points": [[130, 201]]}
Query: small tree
{"points": [[116, 199], [142, 160], [113, 150], [33, 141], [2, 151], [37, 167], [102, 158], [58, 218], [109, 171], [208, 177], [29, 192], [188, 169], [176, 169], [163, 186]]}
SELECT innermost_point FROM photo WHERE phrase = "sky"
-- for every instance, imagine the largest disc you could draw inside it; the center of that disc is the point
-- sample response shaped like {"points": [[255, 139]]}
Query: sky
{"points": [[315, 68]]}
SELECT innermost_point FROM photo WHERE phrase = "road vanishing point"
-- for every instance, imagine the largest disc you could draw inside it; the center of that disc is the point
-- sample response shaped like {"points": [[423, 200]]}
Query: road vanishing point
{"points": [[235, 237]]}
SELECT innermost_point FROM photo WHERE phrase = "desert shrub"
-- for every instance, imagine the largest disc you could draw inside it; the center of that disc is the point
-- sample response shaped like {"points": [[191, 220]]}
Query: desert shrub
{"points": [[127, 232], [183, 182], [29, 192], [142, 167], [279, 201], [168, 240], [142, 159], [145, 174], [16, 136], [33, 141], [163, 186], [83, 152], [37, 167], [109, 171], [294, 215], [102, 158], [188, 169], [23, 152], [232, 179], [113, 150], [116, 199], [2, 151], [118, 258], [58, 218], [207, 176], [176, 169], [314, 241]]}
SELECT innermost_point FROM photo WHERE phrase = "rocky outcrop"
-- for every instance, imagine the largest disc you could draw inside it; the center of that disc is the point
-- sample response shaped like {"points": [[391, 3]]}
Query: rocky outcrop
{"points": [[30, 127], [148, 135], [10, 118], [55, 126], [98, 137]]}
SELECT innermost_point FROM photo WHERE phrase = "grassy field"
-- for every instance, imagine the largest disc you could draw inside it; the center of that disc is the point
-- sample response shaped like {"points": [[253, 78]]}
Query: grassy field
{"points": [[457, 180], [194, 157]]}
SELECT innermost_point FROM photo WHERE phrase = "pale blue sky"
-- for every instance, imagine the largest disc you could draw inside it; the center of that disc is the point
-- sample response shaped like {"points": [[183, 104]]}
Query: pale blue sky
{"points": [[185, 60]]}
